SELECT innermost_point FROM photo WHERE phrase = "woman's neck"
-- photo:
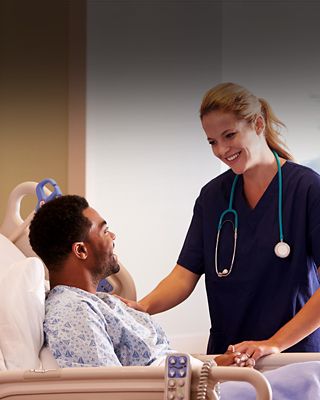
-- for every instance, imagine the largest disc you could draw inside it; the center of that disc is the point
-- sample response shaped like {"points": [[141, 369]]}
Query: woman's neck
{"points": [[257, 179]]}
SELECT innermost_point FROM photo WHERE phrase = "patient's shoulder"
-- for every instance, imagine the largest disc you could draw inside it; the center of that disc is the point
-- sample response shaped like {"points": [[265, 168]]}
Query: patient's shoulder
{"points": [[65, 303], [62, 296]]}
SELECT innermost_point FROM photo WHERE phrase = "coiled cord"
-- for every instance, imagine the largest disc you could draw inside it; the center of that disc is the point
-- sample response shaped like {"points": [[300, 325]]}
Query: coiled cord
{"points": [[203, 381]]}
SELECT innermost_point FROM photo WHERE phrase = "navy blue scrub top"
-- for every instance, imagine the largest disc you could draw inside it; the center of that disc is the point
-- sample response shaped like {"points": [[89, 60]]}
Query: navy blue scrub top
{"points": [[263, 291]]}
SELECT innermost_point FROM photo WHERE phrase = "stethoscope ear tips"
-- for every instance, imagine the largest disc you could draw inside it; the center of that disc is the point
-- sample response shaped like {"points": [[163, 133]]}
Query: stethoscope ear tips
{"points": [[282, 249]]}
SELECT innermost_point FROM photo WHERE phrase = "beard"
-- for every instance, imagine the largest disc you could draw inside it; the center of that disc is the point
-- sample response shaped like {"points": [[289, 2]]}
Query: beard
{"points": [[105, 266], [113, 266]]}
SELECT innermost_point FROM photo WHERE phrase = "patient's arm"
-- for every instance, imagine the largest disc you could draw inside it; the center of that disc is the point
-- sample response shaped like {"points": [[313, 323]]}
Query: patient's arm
{"points": [[301, 325], [171, 291]]}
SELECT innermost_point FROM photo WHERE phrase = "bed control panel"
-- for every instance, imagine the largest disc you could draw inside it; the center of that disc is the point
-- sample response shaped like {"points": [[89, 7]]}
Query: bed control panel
{"points": [[177, 377]]}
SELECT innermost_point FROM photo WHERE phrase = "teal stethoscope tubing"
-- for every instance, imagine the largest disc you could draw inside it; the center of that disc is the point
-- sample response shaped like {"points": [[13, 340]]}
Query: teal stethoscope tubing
{"points": [[282, 249], [279, 196]]}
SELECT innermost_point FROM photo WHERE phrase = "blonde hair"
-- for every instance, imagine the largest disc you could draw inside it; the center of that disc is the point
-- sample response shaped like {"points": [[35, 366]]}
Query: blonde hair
{"points": [[230, 97]]}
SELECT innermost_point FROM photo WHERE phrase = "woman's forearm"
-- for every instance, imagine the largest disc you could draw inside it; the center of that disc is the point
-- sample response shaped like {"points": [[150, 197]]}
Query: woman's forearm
{"points": [[171, 291], [306, 321]]}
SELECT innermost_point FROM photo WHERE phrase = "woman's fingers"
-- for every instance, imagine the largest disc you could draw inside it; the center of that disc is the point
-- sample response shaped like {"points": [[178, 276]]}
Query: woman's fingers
{"points": [[131, 303], [257, 349]]}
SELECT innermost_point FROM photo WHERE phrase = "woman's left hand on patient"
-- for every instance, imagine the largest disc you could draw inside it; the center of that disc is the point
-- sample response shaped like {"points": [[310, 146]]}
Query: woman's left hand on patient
{"points": [[257, 349]]}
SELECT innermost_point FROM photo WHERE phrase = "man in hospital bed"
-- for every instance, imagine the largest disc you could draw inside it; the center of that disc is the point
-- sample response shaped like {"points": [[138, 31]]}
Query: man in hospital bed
{"points": [[86, 328], [83, 327]]}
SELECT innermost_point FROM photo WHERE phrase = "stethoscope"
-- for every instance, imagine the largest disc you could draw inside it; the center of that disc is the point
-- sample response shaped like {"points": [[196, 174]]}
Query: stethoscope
{"points": [[281, 249]]}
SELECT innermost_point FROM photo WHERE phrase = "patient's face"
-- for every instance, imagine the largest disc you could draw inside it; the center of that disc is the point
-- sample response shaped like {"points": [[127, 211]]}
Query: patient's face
{"points": [[100, 245]]}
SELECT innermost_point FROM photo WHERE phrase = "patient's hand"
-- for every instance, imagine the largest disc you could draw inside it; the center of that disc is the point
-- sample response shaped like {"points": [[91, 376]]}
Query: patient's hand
{"points": [[131, 303], [224, 360], [257, 349], [235, 358]]}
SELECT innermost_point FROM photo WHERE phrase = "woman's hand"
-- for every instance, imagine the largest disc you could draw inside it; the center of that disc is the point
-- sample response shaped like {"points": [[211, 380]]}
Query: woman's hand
{"points": [[131, 303], [257, 349]]}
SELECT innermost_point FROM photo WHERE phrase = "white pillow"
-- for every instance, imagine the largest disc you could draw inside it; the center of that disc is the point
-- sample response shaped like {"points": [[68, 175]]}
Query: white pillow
{"points": [[22, 311], [9, 253]]}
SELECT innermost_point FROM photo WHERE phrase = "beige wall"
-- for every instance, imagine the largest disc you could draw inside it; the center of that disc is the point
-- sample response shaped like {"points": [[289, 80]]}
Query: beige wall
{"points": [[34, 93]]}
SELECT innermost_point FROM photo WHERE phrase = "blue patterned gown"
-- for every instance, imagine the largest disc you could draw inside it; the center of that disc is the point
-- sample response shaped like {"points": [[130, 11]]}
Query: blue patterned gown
{"points": [[87, 330]]}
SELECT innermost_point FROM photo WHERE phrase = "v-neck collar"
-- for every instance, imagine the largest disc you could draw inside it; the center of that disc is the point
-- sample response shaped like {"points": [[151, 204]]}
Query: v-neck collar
{"points": [[268, 199]]}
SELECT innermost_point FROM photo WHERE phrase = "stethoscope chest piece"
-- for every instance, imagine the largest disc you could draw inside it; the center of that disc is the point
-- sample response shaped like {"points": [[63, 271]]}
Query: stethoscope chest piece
{"points": [[282, 249], [223, 273]]}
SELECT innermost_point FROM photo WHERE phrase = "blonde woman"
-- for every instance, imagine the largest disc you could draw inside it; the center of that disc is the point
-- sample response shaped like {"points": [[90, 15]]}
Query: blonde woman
{"points": [[254, 233]]}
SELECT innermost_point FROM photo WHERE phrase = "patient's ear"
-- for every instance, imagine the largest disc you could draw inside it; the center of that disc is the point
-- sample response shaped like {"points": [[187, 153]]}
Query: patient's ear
{"points": [[79, 249]]}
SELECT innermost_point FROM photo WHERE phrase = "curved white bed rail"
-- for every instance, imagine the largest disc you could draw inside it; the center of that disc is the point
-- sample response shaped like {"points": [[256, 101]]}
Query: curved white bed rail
{"points": [[255, 378], [14, 227], [274, 361], [110, 383]]}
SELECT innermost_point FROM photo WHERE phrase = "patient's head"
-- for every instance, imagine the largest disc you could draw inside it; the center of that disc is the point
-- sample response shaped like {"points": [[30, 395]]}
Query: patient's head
{"points": [[56, 226], [73, 240]]}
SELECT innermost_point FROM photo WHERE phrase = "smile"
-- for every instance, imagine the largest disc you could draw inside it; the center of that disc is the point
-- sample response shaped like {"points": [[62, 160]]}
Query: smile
{"points": [[233, 157]]}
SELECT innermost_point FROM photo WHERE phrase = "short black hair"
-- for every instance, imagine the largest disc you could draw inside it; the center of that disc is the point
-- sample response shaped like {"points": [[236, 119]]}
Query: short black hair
{"points": [[56, 226]]}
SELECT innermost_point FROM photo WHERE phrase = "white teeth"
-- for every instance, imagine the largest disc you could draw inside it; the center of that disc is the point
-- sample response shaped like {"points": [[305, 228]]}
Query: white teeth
{"points": [[233, 157]]}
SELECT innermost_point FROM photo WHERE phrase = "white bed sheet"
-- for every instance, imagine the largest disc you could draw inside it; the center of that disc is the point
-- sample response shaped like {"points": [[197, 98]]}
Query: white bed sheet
{"points": [[298, 381]]}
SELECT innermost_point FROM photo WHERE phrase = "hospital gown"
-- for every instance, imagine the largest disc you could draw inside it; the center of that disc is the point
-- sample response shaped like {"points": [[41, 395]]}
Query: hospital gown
{"points": [[83, 329]]}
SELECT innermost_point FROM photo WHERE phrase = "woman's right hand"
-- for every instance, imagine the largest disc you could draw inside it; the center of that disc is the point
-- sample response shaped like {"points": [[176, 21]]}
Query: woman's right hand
{"points": [[131, 303]]}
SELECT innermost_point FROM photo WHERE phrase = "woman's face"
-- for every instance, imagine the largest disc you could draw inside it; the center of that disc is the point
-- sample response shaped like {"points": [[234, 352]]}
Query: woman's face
{"points": [[234, 141]]}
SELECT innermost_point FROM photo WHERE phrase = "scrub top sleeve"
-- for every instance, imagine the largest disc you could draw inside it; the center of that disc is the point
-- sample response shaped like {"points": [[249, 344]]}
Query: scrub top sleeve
{"points": [[314, 222], [191, 256]]}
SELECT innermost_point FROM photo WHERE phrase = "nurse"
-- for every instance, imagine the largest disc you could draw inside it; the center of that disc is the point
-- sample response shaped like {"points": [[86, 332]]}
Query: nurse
{"points": [[260, 258]]}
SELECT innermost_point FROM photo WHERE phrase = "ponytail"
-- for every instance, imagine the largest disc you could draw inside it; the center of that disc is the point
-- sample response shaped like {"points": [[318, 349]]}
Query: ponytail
{"points": [[273, 131]]}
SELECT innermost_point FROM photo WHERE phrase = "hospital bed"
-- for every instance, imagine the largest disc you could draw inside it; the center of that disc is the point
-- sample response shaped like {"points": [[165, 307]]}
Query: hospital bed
{"points": [[28, 370]]}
